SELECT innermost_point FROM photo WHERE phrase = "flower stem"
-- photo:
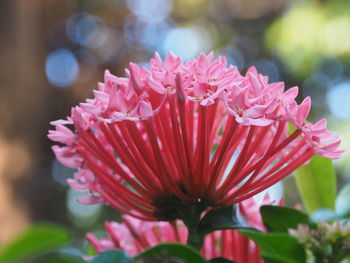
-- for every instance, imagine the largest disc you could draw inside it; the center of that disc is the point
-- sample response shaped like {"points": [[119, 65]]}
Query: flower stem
{"points": [[194, 239], [191, 219]]}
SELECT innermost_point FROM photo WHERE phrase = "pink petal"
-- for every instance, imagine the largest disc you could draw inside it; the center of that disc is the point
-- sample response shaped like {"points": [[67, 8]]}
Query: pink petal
{"points": [[145, 110], [290, 95], [260, 122], [90, 200], [76, 185], [303, 110], [255, 111]]}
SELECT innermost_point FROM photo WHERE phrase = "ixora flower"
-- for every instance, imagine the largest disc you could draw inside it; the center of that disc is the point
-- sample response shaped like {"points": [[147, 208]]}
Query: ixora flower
{"points": [[176, 138], [134, 236]]}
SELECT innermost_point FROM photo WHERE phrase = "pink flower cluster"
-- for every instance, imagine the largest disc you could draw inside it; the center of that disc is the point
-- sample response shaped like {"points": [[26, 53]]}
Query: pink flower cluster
{"points": [[191, 133], [134, 236]]}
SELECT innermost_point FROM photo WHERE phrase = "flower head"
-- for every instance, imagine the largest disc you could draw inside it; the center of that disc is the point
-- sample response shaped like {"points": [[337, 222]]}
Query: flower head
{"points": [[177, 135]]}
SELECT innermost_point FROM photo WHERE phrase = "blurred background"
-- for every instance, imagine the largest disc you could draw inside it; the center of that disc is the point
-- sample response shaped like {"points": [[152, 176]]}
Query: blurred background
{"points": [[53, 53]]}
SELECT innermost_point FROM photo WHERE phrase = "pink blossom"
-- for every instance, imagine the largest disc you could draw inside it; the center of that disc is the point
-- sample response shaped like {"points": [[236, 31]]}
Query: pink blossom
{"points": [[321, 140], [83, 178], [67, 156], [62, 134], [165, 136]]}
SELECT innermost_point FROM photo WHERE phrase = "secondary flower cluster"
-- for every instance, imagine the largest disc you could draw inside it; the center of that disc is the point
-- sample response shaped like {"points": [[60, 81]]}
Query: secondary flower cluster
{"points": [[327, 242], [134, 236], [177, 135]]}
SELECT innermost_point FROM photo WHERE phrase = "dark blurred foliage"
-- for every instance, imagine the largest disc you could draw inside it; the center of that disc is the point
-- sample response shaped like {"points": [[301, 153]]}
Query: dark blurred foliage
{"points": [[53, 53]]}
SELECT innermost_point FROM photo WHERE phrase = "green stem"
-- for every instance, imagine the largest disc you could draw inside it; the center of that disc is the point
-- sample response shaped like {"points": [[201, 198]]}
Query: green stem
{"points": [[194, 239], [191, 219]]}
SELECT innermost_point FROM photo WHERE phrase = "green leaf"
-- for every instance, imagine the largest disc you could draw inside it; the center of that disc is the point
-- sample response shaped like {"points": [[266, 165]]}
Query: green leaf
{"points": [[170, 251], [112, 256], [280, 218], [220, 219], [36, 240], [277, 247], [221, 260], [342, 205], [316, 182], [91, 251]]}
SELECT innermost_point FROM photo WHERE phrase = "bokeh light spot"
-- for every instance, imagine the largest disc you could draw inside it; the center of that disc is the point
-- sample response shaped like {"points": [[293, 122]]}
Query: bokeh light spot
{"points": [[148, 35], [82, 215], [187, 42], [91, 31], [338, 98], [61, 68], [150, 10]]}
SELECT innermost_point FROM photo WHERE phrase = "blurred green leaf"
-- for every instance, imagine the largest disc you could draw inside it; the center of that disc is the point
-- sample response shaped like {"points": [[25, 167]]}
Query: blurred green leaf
{"points": [[316, 182], [219, 219], [221, 260], [280, 218], [277, 247], [112, 256], [91, 251], [170, 251], [36, 240]]}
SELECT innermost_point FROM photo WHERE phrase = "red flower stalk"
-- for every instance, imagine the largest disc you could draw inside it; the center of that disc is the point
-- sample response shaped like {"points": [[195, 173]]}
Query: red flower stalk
{"points": [[176, 135], [134, 236]]}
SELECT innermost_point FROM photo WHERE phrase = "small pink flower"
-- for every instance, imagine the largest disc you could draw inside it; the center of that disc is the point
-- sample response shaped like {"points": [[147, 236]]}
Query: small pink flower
{"points": [[67, 156], [62, 134], [321, 140], [82, 180], [164, 138]]}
